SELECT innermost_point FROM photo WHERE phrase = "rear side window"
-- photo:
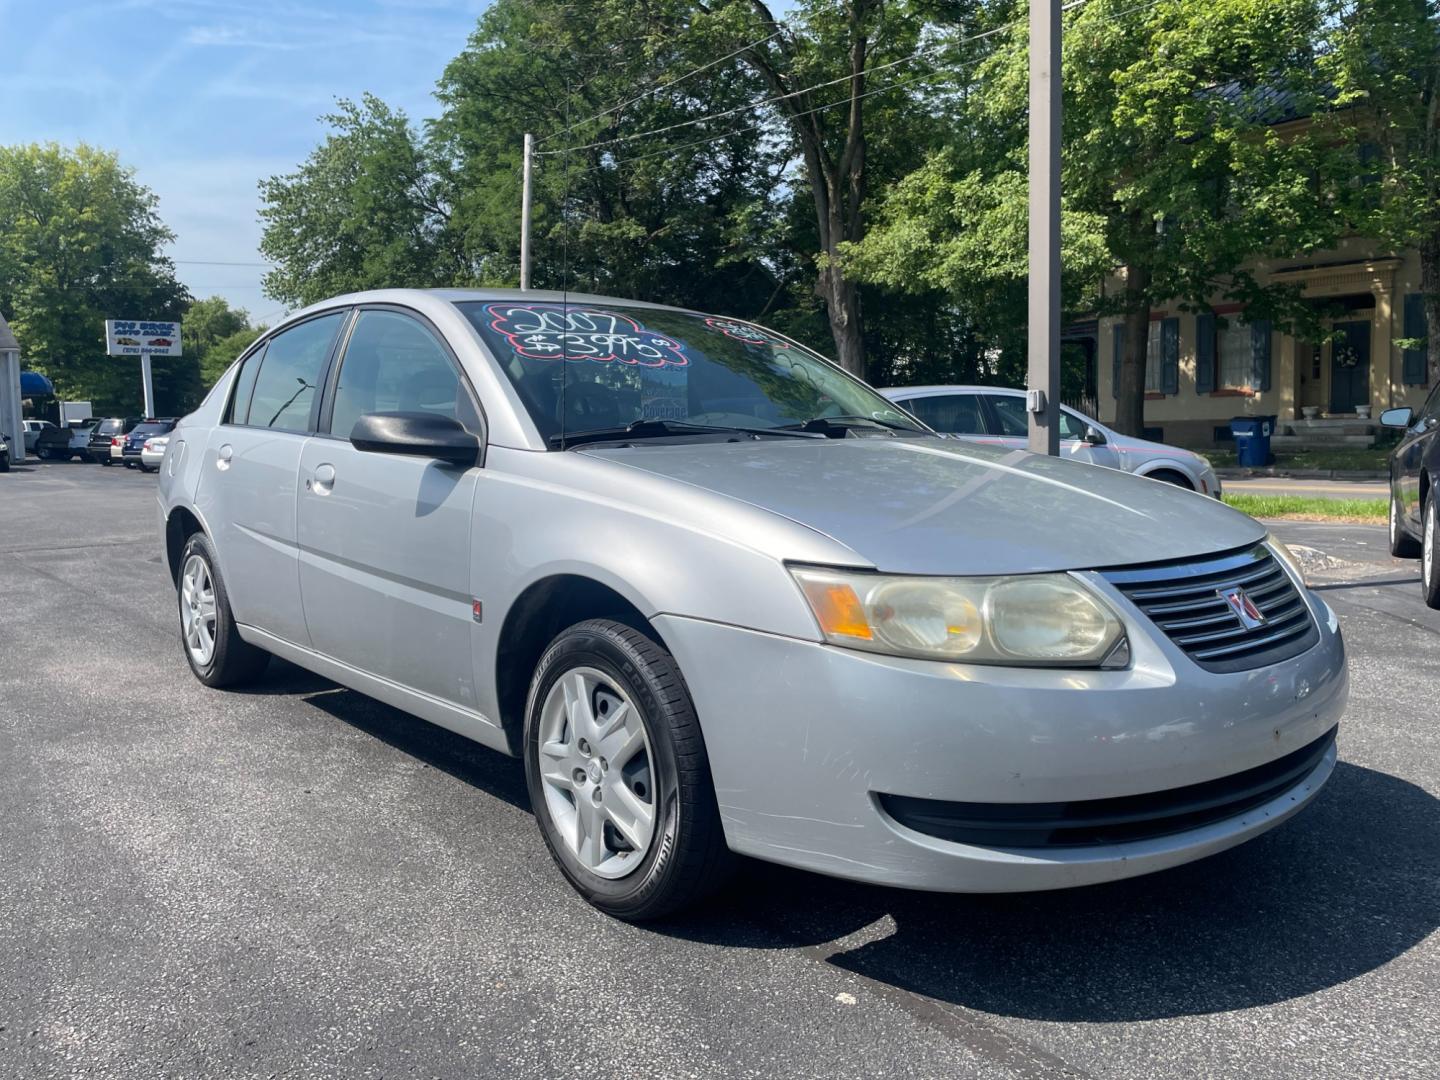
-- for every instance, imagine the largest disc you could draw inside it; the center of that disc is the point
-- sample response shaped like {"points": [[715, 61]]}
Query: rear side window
{"points": [[956, 414], [245, 387], [1010, 411], [290, 373]]}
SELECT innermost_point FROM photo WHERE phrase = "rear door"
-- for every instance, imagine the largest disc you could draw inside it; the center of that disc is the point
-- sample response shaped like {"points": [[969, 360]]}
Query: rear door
{"points": [[385, 539], [248, 481]]}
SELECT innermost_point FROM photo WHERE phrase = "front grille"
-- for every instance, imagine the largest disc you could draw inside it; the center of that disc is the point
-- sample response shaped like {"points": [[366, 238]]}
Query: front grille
{"points": [[1186, 600], [1088, 822]]}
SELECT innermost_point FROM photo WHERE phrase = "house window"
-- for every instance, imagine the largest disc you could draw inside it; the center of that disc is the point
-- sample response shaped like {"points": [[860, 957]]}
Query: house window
{"points": [[1233, 355], [1154, 361]]}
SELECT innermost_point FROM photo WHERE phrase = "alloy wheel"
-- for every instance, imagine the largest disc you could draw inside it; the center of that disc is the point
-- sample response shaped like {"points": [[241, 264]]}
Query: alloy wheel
{"points": [[595, 765], [197, 610]]}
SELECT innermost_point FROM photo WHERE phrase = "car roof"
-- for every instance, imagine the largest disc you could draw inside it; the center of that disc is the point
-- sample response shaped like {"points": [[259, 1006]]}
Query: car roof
{"points": [[429, 298]]}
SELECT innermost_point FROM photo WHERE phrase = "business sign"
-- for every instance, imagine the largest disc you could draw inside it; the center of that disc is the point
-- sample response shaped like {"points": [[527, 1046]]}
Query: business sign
{"points": [[140, 337]]}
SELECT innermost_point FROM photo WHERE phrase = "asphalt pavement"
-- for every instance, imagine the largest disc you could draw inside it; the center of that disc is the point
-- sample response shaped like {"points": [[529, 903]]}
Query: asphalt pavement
{"points": [[297, 881]]}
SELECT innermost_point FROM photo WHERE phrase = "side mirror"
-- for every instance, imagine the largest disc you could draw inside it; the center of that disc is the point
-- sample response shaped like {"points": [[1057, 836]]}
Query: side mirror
{"points": [[1397, 418], [416, 434], [1094, 436]]}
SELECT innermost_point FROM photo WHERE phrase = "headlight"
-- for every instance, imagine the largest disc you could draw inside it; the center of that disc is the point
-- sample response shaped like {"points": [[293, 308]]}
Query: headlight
{"points": [[1049, 620]]}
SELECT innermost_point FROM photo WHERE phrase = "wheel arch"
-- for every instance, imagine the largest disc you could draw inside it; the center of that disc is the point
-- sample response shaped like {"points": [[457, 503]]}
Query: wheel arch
{"points": [[1165, 471], [181, 523], [543, 609]]}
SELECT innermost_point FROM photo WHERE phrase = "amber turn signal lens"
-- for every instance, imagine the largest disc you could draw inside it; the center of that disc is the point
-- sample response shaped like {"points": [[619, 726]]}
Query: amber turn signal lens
{"points": [[837, 608]]}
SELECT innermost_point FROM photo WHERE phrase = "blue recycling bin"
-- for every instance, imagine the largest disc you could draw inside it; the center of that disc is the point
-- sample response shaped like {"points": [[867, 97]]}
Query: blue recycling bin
{"points": [[1252, 439]]}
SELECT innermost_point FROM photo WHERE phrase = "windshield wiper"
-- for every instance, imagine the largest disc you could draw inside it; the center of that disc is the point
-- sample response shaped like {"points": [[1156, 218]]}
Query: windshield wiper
{"points": [[652, 427], [839, 425]]}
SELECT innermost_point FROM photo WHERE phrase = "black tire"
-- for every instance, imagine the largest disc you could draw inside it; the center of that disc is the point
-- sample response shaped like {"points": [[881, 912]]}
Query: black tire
{"points": [[42, 454], [1169, 476], [145, 468], [129, 464], [1429, 555], [233, 660], [687, 858], [1402, 544], [105, 461], [4, 464]]}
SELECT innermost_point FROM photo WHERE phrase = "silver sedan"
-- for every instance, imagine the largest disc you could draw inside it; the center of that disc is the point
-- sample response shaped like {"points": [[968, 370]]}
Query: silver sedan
{"points": [[722, 599]]}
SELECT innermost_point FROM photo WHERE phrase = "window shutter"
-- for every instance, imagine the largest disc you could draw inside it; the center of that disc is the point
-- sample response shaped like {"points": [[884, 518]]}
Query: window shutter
{"points": [[1260, 355], [1204, 354], [1118, 350], [1414, 369], [1170, 355]]}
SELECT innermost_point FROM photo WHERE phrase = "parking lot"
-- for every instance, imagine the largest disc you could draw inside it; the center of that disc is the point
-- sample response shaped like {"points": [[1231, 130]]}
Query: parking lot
{"points": [[298, 881]]}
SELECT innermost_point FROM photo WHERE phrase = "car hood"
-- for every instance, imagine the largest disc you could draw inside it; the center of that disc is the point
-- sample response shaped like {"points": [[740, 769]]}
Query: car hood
{"points": [[938, 506]]}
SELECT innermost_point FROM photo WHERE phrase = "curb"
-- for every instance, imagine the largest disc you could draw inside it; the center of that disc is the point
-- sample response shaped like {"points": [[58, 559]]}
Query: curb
{"points": [[1302, 474]]}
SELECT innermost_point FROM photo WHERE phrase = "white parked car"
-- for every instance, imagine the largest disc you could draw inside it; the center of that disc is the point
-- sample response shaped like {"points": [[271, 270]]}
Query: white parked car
{"points": [[33, 428], [152, 452], [996, 416]]}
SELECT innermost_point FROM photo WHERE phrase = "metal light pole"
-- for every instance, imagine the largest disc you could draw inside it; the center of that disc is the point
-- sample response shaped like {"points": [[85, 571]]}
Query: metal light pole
{"points": [[525, 212], [1042, 399]]}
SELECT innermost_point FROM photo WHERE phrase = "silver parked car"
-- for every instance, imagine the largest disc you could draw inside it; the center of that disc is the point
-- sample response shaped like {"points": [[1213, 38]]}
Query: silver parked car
{"points": [[996, 415], [723, 598]]}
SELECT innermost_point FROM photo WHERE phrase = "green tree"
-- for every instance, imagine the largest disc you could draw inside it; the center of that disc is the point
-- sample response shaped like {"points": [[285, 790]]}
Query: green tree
{"points": [[214, 335], [1173, 173], [1383, 61], [359, 213], [80, 242]]}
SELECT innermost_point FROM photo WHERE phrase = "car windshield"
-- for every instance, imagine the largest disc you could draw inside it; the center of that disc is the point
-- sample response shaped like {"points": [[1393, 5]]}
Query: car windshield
{"points": [[594, 367], [107, 426]]}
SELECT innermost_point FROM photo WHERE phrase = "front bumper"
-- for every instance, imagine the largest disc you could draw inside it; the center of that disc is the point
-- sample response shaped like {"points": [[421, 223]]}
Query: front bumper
{"points": [[805, 738]]}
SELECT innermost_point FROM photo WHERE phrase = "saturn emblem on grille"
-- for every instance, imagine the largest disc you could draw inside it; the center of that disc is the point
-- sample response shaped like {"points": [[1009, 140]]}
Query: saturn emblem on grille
{"points": [[1245, 609]]}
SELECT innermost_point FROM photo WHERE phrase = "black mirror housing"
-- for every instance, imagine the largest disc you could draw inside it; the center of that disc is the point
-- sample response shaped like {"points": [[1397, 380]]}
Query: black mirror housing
{"points": [[1094, 436], [416, 434], [1397, 418]]}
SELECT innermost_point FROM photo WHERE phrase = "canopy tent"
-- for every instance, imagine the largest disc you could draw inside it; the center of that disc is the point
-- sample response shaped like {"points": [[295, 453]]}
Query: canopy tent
{"points": [[33, 384]]}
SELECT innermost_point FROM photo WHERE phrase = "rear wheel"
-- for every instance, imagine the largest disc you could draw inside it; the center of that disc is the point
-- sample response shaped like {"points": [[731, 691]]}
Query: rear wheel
{"points": [[1429, 557], [213, 647], [618, 774], [1402, 544], [105, 461]]}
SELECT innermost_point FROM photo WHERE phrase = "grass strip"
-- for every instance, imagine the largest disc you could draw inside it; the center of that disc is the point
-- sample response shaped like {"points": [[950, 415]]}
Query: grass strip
{"points": [[1311, 508]]}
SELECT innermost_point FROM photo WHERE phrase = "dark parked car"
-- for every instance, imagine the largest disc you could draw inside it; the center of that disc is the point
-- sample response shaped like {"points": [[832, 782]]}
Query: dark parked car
{"points": [[135, 440], [64, 443], [4, 452], [106, 433], [1414, 508]]}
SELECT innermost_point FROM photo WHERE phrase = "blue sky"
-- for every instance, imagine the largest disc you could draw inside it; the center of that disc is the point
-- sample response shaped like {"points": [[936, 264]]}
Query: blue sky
{"points": [[205, 97]]}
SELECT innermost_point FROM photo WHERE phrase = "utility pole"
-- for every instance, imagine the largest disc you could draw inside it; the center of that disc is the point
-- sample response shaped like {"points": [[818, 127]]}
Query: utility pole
{"points": [[147, 380], [525, 212], [1043, 392]]}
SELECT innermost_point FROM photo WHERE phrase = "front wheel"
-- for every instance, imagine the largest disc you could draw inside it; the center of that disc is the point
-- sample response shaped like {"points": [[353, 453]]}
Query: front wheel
{"points": [[105, 461], [213, 647], [1429, 558], [618, 774]]}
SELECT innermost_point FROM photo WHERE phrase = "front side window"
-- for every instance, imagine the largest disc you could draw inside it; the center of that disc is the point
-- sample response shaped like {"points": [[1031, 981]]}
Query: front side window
{"points": [[591, 367], [290, 373], [957, 414], [394, 364]]}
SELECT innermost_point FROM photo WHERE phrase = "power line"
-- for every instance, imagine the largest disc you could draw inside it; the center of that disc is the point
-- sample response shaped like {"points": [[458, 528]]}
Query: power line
{"points": [[783, 97], [658, 87], [818, 86]]}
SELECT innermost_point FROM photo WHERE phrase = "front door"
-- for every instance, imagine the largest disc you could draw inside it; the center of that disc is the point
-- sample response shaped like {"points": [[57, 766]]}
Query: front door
{"points": [[385, 539], [1350, 367]]}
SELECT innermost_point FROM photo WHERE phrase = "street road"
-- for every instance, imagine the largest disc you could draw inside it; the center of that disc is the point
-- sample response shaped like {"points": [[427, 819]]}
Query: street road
{"points": [[297, 881]]}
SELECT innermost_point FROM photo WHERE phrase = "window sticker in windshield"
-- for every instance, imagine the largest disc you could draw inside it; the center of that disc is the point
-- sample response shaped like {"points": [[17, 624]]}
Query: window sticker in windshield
{"points": [[553, 331], [740, 331]]}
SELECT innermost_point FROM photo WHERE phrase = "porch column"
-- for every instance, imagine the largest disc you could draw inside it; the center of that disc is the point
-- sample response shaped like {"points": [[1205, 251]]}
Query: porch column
{"points": [[1384, 378]]}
